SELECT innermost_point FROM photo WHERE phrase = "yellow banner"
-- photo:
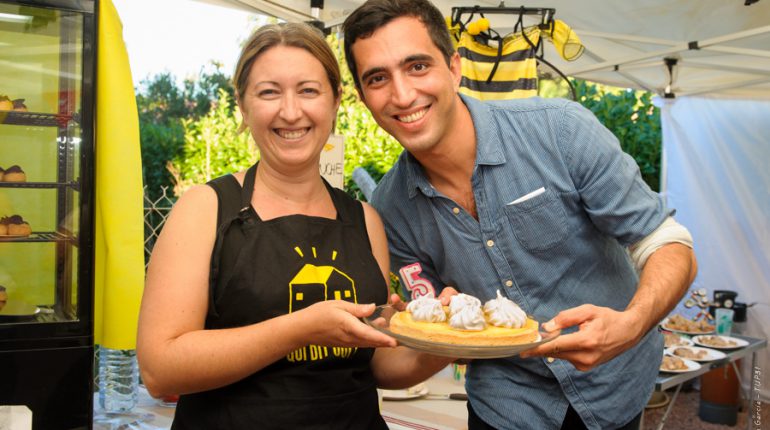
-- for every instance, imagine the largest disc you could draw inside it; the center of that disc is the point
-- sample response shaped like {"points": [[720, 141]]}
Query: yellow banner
{"points": [[119, 234]]}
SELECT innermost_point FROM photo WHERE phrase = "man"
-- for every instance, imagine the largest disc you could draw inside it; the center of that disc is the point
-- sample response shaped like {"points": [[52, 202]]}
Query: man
{"points": [[533, 198]]}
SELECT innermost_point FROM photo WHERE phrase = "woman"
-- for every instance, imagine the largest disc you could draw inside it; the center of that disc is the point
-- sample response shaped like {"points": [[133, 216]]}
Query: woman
{"points": [[258, 280]]}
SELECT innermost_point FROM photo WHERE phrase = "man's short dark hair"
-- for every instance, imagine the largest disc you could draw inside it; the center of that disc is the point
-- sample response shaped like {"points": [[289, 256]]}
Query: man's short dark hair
{"points": [[374, 14]]}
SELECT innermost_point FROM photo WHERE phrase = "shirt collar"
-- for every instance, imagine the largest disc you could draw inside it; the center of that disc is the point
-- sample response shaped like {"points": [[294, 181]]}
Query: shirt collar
{"points": [[489, 149], [415, 176]]}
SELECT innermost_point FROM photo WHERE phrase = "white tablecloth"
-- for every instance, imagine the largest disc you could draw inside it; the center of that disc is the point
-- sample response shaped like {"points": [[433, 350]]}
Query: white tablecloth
{"points": [[400, 415]]}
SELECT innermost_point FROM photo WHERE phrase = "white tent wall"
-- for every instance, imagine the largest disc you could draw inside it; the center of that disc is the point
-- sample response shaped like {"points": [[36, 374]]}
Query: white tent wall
{"points": [[717, 178]]}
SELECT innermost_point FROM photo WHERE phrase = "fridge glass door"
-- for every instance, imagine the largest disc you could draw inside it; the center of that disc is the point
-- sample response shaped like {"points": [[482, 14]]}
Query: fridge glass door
{"points": [[41, 89]]}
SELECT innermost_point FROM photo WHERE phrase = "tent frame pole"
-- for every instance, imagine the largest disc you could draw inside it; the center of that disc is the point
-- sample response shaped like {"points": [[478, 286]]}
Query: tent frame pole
{"points": [[679, 47]]}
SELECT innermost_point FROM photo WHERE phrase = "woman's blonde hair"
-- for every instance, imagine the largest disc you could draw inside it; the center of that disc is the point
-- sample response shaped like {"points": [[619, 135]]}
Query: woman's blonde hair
{"points": [[298, 35]]}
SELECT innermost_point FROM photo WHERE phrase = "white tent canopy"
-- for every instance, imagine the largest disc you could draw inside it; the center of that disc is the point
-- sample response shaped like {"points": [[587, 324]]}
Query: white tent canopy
{"points": [[720, 46]]}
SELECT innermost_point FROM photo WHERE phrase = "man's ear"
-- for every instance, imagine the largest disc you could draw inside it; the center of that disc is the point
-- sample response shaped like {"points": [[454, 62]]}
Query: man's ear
{"points": [[456, 69]]}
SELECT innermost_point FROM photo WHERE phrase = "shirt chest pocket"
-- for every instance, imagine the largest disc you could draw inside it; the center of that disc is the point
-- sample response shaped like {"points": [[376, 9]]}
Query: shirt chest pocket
{"points": [[539, 223]]}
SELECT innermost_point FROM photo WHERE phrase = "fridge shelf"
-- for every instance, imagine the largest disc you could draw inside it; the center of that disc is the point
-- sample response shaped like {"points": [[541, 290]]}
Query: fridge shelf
{"points": [[37, 119], [75, 185], [40, 236]]}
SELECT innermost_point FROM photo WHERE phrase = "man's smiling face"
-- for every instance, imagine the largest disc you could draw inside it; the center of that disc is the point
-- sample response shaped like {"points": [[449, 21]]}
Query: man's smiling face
{"points": [[406, 83]]}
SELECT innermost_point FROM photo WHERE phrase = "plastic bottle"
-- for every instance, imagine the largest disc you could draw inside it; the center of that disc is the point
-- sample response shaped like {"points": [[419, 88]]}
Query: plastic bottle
{"points": [[739, 320], [118, 380]]}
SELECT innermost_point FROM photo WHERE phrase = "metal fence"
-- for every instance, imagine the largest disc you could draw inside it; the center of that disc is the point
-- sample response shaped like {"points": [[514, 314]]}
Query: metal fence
{"points": [[157, 207], [156, 212]]}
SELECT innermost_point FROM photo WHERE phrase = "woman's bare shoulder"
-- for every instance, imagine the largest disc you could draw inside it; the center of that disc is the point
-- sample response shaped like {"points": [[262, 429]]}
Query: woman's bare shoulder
{"points": [[371, 215], [197, 207], [197, 197]]}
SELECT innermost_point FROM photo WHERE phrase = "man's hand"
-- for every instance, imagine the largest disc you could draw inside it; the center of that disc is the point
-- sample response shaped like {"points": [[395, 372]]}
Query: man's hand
{"points": [[397, 303], [444, 297], [603, 334]]}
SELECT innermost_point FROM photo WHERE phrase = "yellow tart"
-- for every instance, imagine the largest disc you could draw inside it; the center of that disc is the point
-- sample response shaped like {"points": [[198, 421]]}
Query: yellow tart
{"points": [[403, 323]]}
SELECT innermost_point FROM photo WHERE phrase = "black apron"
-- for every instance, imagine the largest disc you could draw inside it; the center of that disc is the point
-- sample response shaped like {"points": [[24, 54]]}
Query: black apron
{"points": [[264, 269]]}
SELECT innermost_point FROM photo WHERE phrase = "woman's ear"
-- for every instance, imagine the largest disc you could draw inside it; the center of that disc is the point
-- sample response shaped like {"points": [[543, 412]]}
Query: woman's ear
{"points": [[243, 126], [339, 99], [336, 109]]}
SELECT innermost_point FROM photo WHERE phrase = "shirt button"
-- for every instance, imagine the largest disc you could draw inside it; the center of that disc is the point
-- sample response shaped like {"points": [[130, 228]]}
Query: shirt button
{"points": [[509, 283], [490, 243], [550, 359], [456, 211]]}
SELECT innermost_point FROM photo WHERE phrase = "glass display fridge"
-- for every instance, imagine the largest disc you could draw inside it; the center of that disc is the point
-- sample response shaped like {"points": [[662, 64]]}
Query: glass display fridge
{"points": [[47, 69]]}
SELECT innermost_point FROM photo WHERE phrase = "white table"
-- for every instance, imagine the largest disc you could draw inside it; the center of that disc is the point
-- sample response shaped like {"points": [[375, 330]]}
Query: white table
{"points": [[400, 415], [666, 381], [429, 414]]}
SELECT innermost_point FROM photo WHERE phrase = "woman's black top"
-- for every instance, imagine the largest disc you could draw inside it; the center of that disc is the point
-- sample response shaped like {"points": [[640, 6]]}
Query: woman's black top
{"points": [[264, 269]]}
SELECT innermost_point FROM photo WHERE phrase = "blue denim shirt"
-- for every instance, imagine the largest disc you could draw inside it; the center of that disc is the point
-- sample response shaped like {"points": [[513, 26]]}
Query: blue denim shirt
{"points": [[564, 247]]}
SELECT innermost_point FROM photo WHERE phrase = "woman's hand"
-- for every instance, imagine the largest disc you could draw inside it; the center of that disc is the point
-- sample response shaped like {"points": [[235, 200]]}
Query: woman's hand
{"points": [[337, 323]]}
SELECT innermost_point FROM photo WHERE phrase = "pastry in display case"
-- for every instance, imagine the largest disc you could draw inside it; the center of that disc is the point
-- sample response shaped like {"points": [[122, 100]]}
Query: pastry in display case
{"points": [[46, 208], [3, 297], [13, 174]]}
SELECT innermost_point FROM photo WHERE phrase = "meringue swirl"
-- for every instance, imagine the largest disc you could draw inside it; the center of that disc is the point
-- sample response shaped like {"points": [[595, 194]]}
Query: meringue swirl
{"points": [[427, 309], [461, 301], [466, 313], [503, 312], [468, 318]]}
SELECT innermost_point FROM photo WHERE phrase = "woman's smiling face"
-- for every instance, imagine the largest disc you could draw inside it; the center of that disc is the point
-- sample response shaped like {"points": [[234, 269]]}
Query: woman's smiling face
{"points": [[289, 107]]}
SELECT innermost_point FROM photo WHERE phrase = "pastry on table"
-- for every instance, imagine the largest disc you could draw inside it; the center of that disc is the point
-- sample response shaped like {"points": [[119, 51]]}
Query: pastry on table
{"points": [[691, 353], [466, 322], [16, 226], [3, 297], [673, 363], [14, 174], [19, 106], [679, 323], [670, 339], [5, 103], [717, 341], [2, 173]]}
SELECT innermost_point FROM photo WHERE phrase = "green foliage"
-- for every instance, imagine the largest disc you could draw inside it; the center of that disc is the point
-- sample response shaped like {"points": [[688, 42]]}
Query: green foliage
{"points": [[160, 99], [551, 83], [397, 288], [202, 94], [366, 144], [632, 118], [163, 105], [212, 145]]}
